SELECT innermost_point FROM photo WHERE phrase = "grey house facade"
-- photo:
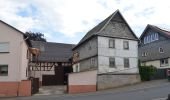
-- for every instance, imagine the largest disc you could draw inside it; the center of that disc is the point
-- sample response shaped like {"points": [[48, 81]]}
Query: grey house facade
{"points": [[154, 47], [111, 49]]}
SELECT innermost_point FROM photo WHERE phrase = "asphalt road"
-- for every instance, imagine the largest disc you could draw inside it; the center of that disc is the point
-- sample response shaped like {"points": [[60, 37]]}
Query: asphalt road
{"points": [[150, 93]]}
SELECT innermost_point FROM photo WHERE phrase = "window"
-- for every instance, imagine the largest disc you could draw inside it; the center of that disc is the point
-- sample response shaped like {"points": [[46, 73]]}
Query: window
{"points": [[164, 62], [144, 40], [42, 48], [144, 54], [90, 45], [111, 43], [112, 62], [126, 62], [4, 47], [161, 50], [3, 70], [77, 69], [151, 38], [92, 62], [156, 36], [126, 45]]}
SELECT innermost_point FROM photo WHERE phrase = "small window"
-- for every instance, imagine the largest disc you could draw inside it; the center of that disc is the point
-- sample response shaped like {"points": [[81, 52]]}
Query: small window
{"points": [[112, 62], [3, 70], [156, 36], [126, 62], [164, 62], [77, 69], [161, 50], [4, 47], [90, 46], [92, 62], [126, 45], [111, 43], [42, 48], [144, 54]]}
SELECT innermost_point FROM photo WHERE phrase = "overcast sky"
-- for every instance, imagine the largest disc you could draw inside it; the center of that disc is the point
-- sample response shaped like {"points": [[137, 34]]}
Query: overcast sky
{"points": [[68, 21]]}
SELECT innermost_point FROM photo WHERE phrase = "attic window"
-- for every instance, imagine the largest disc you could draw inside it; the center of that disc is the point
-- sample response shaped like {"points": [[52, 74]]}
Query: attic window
{"points": [[151, 38]]}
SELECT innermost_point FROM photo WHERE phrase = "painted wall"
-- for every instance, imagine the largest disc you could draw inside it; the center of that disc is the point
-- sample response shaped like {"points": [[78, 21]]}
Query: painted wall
{"points": [[38, 74], [104, 52], [80, 82], [156, 63], [24, 60], [16, 53]]}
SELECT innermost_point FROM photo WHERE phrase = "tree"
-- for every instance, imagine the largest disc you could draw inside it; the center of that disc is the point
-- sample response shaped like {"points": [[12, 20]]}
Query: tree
{"points": [[35, 36]]}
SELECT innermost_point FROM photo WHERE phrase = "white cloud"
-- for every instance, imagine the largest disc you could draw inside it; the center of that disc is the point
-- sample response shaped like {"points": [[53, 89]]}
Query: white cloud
{"points": [[72, 17]]}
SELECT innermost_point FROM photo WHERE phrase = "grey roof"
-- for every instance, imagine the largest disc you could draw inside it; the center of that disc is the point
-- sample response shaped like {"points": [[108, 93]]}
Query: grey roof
{"points": [[156, 29], [97, 30], [53, 52]]}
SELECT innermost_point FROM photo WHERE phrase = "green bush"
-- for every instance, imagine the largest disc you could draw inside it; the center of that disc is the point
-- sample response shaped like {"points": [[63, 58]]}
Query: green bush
{"points": [[146, 72]]}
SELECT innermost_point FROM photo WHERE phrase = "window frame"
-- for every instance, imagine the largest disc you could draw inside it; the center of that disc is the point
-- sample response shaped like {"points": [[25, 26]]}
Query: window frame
{"points": [[92, 62], [161, 50], [4, 65], [128, 63], [165, 62], [112, 63], [127, 45], [7, 47], [112, 40]]}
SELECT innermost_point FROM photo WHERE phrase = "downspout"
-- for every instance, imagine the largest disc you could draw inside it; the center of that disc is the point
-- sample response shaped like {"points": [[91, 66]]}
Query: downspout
{"points": [[19, 65]]}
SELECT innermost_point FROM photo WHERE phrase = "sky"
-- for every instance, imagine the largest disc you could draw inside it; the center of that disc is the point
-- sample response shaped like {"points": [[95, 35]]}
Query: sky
{"points": [[67, 21]]}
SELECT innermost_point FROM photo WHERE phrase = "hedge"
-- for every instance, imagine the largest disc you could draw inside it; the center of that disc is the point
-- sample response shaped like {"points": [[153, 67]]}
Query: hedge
{"points": [[146, 72]]}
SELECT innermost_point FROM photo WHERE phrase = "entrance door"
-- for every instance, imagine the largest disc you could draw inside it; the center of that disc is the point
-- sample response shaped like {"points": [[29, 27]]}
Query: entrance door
{"points": [[57, 79], [59, 75]]}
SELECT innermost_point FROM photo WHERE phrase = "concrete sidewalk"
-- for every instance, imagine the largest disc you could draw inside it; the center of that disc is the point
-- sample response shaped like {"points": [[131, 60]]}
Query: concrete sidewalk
{"points": [[143, 85], [51, 90]]}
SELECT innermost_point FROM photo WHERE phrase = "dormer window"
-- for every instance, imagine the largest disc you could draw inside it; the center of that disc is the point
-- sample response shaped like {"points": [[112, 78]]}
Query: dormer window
{"points": [[151, 38]]}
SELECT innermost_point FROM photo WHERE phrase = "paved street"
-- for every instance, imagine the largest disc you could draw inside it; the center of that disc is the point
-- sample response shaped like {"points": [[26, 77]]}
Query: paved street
{"points": [[153, 90]]}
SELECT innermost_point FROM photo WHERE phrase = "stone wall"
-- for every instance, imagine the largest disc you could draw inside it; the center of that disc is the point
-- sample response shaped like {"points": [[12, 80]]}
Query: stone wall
{"points": [[106, 81]]}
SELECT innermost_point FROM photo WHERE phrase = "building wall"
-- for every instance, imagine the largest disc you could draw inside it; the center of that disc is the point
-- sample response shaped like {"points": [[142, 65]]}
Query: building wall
{"points": [[87, 64], [12, 89], [104, 52], [156, 63], [152, 49], [13, 58], [87, 51], [80, 82], [107, 81], [24, 60], [38, 74]]}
